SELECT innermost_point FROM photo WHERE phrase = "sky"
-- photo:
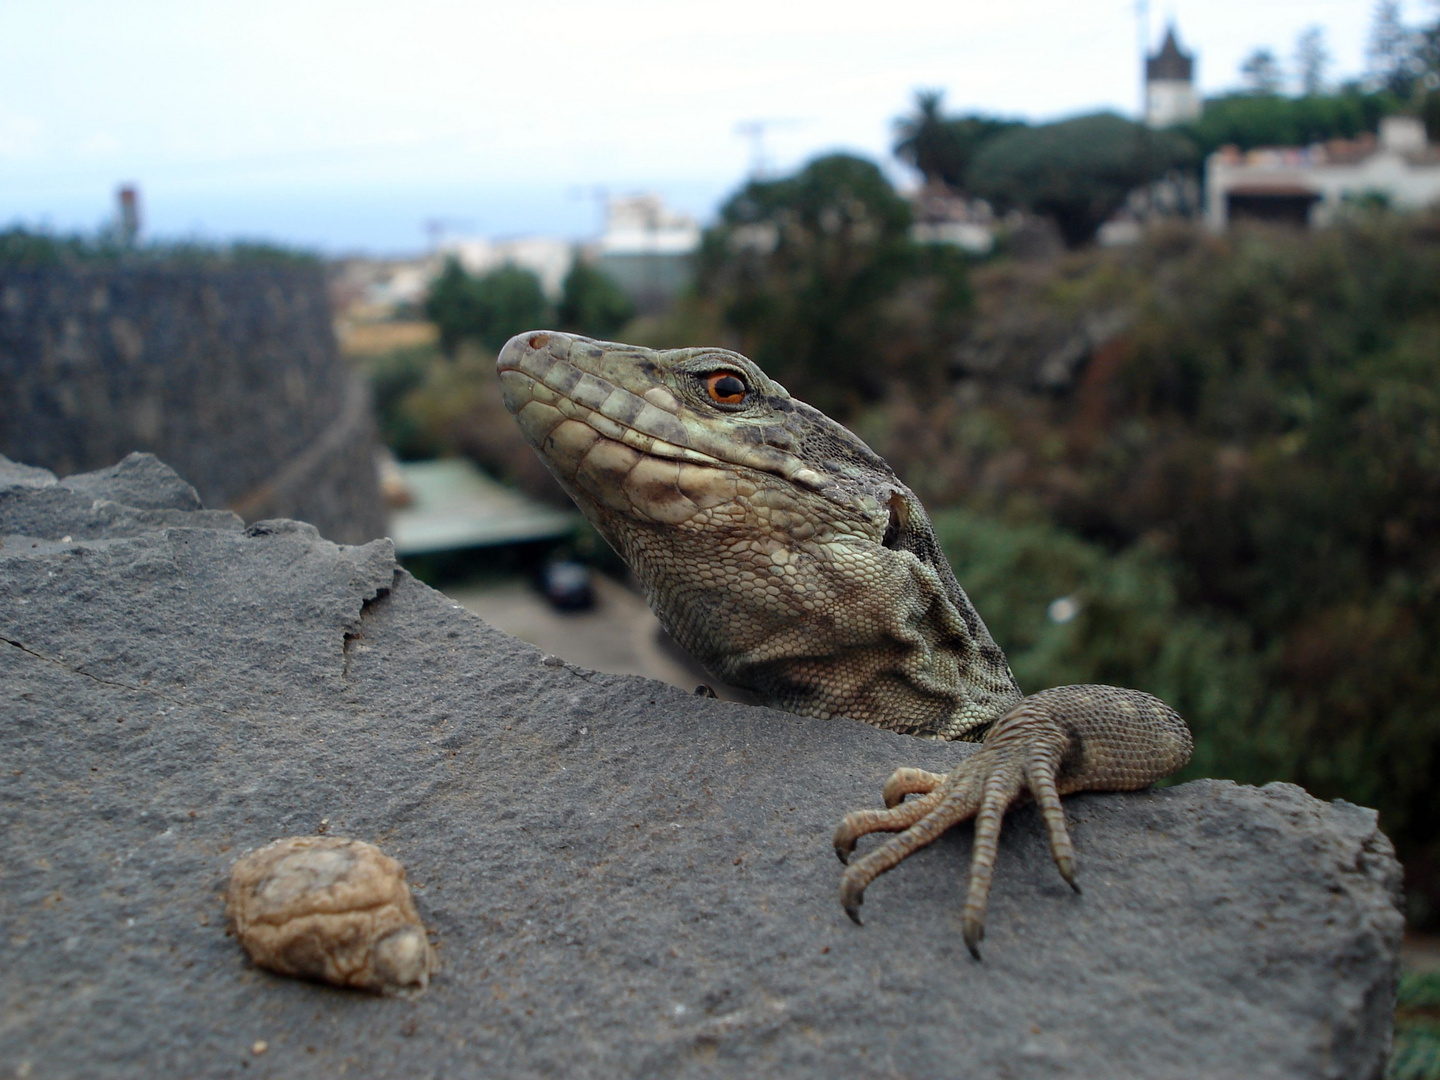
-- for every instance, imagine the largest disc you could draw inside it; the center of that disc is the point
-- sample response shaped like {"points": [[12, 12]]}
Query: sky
{"points": [[348, 126]]}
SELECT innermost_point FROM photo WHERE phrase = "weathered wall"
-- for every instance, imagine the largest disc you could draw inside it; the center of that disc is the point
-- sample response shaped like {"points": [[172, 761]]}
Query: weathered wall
{"points": [[231, 372]]}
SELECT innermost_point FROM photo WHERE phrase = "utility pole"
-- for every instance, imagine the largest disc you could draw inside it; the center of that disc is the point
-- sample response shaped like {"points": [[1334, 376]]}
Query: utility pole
{"points": [[127, 221], [754, 130], [437, 227]]}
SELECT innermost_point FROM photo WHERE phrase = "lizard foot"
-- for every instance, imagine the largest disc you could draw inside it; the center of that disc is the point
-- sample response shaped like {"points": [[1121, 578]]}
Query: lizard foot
{"points": [[1071, 738]]}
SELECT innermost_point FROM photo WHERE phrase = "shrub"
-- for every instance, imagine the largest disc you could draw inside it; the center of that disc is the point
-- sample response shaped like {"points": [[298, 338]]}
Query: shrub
{"points": [[489, 309]]}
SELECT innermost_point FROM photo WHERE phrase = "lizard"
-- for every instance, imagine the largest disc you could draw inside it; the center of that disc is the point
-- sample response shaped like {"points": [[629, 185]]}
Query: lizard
{"points": [[787, 557]]}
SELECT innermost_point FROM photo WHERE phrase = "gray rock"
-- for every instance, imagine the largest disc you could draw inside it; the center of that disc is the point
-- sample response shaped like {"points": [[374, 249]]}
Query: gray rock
{"points": [[140, 480], [137, 496], [623, 879], [13, 474]]}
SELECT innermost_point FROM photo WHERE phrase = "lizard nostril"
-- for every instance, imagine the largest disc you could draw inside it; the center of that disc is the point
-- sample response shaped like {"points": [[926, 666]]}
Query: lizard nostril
{"points": [[539, 341]]}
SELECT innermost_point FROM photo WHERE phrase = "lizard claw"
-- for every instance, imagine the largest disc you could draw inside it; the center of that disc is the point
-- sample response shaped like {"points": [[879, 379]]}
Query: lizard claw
{"points": [[974, 933], [904, 782], [852, 895], [845, 840], [1063, 740]]}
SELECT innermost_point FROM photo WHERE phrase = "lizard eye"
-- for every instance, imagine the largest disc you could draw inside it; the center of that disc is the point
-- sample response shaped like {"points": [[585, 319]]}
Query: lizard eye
{"points": [[725, 387]]}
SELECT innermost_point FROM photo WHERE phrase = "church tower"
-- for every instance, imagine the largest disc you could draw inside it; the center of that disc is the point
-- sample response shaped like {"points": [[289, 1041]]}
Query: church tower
{"points": [[1170, 96]]}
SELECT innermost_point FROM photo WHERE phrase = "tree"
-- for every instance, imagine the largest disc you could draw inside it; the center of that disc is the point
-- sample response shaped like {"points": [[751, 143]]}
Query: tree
{"points": [[817, 276], [488, 309], [1389, 52], [591, 303], [1077, 172], [941, 148], [1261, 72], [1311, 60], [1247, 120], [923, 141]]}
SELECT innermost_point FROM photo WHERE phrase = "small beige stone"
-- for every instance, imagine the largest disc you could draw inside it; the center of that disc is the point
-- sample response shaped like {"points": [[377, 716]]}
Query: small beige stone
{"points": [[331, 909]]}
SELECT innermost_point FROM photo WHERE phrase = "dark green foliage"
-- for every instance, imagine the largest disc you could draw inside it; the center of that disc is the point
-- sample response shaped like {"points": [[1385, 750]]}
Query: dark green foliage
{"points": [[1430, 113], [489, 309], [23, 247], [20, 247], [1262, 72], [1291, 406], [817, 275], [1417, 1028], [1261, 450], [1077, 172], [1250, 120], [394, 376], [1130, 627], [592, 304], [940, 147]]}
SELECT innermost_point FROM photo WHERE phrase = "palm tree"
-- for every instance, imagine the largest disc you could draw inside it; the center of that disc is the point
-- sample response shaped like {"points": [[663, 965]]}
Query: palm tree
{"points": [[925, 141], [941, 147]]}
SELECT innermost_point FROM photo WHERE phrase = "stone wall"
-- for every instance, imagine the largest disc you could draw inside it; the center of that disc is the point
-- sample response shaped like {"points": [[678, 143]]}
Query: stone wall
{"points": [[229, 371]]}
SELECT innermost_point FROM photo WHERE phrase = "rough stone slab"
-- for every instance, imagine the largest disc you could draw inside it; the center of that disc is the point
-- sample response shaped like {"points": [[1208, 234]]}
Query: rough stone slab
{"points": [[135, 497], [14, 474], [140, 480], [622, 879]]}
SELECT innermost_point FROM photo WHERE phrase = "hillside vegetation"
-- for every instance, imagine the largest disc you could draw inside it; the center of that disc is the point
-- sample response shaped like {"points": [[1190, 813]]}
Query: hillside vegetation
{"points": [[1239, 491]]}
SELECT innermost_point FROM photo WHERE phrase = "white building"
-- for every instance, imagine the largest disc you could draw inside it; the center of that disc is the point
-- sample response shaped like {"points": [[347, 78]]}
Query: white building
{"points": [[548, 258], [1311, 185], [648, 249], [1170, 96], [644, 225], [943, 217]]}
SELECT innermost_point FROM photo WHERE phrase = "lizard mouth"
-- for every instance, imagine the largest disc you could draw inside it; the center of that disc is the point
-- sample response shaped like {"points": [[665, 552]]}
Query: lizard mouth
{"points": [[610, 449], [544, 390]]}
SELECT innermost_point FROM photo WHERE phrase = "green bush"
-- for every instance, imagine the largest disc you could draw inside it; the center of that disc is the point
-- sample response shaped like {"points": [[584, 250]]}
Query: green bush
{"points": [[1251, 120], [489, 309], [1077, 172], [1416, 1055], [592, 303], [394, 377]]}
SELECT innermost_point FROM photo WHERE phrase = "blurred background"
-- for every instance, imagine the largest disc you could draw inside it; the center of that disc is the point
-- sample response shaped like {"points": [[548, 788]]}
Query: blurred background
{"points": [[1142, 299]]}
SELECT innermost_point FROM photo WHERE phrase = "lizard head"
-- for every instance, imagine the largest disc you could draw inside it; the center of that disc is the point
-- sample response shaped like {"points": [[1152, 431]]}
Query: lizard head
{"points": [[598, 411], [773, 544]]}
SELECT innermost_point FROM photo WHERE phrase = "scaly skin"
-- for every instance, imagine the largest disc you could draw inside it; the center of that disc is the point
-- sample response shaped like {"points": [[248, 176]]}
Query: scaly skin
{"points": [[788, 558]]}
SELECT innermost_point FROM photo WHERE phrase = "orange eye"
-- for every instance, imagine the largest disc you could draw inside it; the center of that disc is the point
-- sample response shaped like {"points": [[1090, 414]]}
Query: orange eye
{"points": [[725, 387]]}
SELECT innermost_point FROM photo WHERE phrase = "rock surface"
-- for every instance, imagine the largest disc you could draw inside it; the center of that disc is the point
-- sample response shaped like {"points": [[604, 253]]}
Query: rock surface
{"points": [[622, 879]]}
